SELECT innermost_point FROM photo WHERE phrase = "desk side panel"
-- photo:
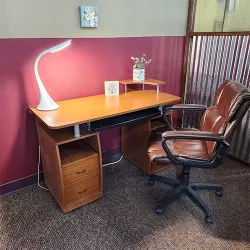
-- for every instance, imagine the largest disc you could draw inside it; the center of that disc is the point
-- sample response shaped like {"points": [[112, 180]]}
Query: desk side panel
{"points": [[51, 164], [135, 143]]}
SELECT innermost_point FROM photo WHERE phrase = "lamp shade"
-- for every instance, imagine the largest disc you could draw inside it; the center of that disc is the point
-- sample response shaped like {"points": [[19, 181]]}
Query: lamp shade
{"points": [[46, 102]]}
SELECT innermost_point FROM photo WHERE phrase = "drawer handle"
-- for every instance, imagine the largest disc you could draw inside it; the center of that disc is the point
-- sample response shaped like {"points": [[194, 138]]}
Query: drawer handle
{"points": [[81, 172], [81, 192]]}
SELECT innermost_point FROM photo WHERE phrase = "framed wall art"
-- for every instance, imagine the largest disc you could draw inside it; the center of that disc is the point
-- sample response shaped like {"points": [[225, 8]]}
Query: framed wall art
{"points": [[89, 16]]}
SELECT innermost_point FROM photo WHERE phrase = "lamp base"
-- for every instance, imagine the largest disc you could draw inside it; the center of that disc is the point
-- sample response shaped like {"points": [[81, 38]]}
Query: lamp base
{"points": [[46, 102], [48, 107]]}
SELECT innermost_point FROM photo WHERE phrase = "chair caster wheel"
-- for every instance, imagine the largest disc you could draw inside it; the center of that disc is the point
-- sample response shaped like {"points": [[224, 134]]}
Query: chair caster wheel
{"points": [[151, 182], [219, 193], [209, 220], [159, 210]]}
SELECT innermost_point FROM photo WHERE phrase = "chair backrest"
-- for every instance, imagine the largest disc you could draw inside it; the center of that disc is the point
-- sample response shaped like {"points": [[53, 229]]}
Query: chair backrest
{"points": [[231, 102]]}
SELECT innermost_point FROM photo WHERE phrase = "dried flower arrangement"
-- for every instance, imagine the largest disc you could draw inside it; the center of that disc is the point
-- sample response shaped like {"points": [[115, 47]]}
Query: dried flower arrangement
{"points": [[140, 63]]}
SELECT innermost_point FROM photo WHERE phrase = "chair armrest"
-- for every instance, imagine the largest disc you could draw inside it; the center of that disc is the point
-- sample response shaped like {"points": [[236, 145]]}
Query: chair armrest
{"points": [[183, 107], [195, 135], [188, 107]]}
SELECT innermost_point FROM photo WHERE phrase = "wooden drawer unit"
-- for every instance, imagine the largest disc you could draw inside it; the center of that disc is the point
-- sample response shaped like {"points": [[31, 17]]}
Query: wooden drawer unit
{"points": [[72, 165], [82, 190], [81, 170]]}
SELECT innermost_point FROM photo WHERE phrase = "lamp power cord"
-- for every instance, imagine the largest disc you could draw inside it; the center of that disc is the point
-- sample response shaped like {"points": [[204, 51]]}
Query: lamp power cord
{"points": [[111, 163], [38, 170]]}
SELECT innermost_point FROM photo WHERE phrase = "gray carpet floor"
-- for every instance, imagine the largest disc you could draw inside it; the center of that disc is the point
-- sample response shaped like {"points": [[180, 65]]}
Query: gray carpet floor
{"points": [[125, 217]]}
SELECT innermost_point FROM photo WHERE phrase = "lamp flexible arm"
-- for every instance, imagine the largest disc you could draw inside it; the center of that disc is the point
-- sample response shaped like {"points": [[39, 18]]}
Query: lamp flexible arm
{"points": [[46, 102]]}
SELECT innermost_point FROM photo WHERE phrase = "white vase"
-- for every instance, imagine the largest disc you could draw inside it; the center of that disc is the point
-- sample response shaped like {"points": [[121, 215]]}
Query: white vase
{"points": [[138, 75]]}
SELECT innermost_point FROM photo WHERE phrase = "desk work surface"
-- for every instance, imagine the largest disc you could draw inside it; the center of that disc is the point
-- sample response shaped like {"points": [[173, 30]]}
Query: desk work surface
{"points": [[92, 108]]}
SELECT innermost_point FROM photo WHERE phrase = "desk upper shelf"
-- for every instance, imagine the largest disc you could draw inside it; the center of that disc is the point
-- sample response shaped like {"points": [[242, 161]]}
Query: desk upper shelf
{"points": [[153, 82], [147, 81]]}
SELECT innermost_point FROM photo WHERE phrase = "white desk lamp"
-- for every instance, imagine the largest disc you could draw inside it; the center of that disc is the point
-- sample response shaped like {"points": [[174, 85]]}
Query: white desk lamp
{"points": [[46, 102]]}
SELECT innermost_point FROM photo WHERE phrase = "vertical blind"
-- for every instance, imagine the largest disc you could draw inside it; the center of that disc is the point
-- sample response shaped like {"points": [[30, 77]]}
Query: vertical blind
{"points": [[213, 60]]}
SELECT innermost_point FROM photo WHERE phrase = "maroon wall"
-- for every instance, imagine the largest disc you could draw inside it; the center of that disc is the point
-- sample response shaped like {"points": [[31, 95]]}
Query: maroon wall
{"points": [[79, 70]]}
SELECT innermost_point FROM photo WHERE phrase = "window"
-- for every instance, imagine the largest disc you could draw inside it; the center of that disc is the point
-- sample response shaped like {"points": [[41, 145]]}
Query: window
{"points": [[222, 16]]}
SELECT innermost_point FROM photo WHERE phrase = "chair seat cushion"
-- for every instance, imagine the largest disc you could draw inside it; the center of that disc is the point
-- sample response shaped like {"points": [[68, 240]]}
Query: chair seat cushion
{"points": [[183, 148]]}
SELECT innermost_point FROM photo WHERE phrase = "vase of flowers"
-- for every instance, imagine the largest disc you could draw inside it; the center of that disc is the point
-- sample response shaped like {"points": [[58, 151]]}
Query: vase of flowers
{"points": [[139, 67]]}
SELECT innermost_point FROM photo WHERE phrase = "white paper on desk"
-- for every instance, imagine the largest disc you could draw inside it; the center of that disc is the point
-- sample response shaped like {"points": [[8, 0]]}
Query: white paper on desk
{"points": [[111, 88]]}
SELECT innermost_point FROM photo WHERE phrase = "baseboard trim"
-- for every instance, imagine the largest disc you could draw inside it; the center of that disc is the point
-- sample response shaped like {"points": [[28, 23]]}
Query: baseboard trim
{"points": [[32, 179], [238, 159], [19, 184]]}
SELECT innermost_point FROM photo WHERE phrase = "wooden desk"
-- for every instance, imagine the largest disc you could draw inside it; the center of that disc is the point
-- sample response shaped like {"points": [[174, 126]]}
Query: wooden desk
{"points": [[73, 165], [87, 109]]}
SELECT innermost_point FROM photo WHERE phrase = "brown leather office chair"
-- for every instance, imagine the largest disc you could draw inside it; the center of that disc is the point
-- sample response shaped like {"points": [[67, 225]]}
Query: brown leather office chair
{"points": [[204, 148]]}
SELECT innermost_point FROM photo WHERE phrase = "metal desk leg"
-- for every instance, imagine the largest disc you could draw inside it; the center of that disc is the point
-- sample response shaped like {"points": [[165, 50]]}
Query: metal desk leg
{"points": [[77, 130], [160, 108]]}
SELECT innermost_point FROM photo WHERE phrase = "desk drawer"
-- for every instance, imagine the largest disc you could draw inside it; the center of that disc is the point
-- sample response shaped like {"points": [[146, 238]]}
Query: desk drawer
{"points": [[81, 170], [82, 190]]}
